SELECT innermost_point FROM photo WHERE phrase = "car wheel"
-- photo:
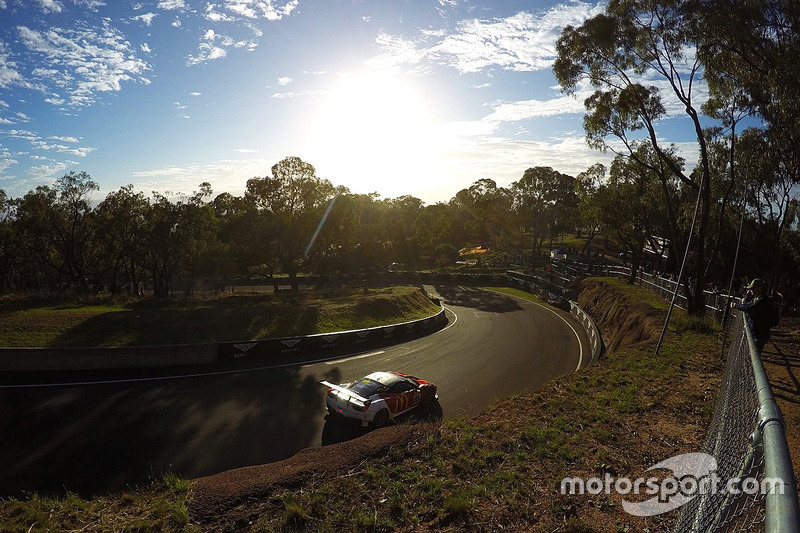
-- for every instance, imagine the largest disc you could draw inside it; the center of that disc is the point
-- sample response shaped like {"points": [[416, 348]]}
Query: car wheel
{"points": [[427, 396], [381, 418]]}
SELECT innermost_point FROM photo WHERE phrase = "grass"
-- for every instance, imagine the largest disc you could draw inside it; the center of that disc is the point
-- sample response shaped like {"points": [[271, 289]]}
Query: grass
{"points": [[500, 468], [163, 506], [231, 318]]}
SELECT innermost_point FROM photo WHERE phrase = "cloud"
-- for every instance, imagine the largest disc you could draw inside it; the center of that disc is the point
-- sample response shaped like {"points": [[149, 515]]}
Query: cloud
{"points": [[37, 143], [284, 81], [396, 50], [208, 50], [145, 48], [213, 46], [50, 6], [224, 175], [195, 94], [92, 5], [522, 42], [172, 4], [254, 9], [215, 16], [8, 68], [83, 61], [147, 18], [6, 160], [292, 94], [44, 173], [246, 151], [23, 134]]}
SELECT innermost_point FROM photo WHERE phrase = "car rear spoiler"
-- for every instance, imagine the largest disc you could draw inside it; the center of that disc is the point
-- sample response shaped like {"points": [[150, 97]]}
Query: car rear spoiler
{"points": [[346, 392]]}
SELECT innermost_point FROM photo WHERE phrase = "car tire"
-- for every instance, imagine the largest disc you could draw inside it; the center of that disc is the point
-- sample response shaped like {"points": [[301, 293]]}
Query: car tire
{"points": [[427, 396], [381, 418]]}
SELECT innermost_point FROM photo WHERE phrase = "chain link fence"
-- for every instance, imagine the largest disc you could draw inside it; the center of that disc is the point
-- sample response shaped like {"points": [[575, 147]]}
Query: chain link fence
{"points": [[753, 487]]}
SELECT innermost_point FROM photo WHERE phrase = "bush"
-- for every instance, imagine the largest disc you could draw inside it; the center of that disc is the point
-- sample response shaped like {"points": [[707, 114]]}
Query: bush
{"points": [[696, 324]]}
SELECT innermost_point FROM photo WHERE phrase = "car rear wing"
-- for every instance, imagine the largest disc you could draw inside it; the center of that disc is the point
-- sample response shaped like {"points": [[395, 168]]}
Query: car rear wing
{"points": [[346, 392]]}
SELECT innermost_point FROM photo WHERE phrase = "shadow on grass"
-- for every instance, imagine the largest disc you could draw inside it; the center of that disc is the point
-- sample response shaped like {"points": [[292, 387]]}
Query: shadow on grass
{"points": [[101, 438], [230, 319], [480, 299]]}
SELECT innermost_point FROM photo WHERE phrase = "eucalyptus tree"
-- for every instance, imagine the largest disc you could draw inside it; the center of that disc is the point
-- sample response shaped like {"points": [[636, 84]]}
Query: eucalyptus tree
{"points": [[587, 183], [437, 225], [33, 228], [121, 231], [627, 55], [545, 203], [73, 227], [771, 199], [292, 202], [752, 46], [488, 209], [398, 216], [630, 212], [9, 249]]}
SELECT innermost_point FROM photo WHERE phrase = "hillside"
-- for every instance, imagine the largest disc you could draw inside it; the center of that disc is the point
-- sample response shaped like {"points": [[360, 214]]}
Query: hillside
{"points": [[500, 468], [232, 318]]}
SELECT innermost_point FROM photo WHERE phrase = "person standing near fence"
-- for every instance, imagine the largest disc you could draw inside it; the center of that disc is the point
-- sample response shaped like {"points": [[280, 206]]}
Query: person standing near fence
{"points": [[762, 313]]}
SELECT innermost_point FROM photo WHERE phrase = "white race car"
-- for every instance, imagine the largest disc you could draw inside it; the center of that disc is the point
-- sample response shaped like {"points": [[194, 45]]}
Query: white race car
{"points": [[379, 397]]}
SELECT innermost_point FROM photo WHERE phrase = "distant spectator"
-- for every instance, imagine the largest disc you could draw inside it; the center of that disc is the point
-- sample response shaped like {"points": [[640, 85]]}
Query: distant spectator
{"points": [[762, 313]]}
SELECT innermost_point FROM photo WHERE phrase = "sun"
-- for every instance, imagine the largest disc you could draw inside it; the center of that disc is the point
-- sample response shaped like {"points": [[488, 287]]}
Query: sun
{"points": [[377, 126]]}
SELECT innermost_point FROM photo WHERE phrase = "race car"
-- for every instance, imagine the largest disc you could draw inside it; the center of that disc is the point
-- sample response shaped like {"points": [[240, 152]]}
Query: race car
{"points": [[377, 398]]}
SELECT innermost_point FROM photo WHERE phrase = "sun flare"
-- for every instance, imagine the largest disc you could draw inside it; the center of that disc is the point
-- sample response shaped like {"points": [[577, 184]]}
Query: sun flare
{"points": [[377, 127]]}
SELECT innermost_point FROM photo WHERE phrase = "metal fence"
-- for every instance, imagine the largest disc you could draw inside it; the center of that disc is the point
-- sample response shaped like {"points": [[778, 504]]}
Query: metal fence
{"points": [[754, 487], [564, 271]]}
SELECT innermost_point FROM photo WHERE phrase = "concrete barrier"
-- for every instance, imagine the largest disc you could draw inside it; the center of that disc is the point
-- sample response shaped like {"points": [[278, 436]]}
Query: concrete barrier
{"points": [[282, 350], [96, 358]]}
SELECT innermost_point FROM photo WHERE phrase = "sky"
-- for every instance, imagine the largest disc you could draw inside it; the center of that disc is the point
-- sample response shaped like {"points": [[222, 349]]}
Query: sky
{"points": [[418, 97]]}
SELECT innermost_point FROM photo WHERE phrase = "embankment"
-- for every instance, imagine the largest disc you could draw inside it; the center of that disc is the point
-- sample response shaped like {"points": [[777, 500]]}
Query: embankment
{"points": [[623, 322]]}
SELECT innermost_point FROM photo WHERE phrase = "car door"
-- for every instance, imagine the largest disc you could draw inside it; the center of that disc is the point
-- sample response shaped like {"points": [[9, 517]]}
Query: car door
{"points": [[406, 396]]}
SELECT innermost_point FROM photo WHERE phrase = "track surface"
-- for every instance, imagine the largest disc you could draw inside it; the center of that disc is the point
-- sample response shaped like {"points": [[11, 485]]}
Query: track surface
{"points": [[106, 436]]}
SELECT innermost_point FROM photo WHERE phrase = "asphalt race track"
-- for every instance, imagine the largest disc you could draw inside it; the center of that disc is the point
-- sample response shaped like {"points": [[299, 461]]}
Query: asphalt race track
{"points": [[106, 436]]}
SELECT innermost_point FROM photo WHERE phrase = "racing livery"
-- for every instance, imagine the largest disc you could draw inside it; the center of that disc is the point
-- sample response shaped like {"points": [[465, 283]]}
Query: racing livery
{"points": [[377, 398]]}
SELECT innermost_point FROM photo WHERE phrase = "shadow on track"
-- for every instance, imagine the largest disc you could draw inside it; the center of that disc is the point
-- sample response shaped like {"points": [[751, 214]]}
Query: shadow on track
{"points": [[493, 302], [339, 429], [101, 438]]}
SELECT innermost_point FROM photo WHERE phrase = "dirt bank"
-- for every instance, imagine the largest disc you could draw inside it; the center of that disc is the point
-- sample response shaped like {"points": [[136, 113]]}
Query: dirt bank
{"points": [[622, 321]]}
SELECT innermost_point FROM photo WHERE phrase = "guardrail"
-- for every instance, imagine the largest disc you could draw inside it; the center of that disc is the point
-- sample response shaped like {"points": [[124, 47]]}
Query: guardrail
{"points": [[595, 339], [755, 487]]}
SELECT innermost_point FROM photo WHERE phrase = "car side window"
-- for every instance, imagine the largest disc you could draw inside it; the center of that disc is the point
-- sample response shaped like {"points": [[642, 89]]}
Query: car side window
{"points": [[402, 386]]}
